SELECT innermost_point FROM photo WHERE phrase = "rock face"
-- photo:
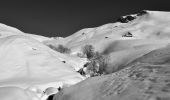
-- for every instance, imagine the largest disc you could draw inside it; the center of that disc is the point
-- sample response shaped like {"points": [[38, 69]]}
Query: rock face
{"points": [[146, 78]]}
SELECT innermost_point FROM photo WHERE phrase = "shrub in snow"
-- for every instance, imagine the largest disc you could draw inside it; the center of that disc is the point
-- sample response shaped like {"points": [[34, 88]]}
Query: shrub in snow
{"points": [[60, 48], [88, 50], [143, 12], [97, 62]]}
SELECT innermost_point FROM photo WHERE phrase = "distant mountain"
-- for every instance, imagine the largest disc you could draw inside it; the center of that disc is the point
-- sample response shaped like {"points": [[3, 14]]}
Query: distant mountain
{"points": [[145, 25]]}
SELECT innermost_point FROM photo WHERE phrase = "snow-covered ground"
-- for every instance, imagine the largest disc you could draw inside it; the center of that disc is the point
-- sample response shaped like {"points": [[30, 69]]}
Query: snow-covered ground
{"points": [[138, 48], [28, 67]]}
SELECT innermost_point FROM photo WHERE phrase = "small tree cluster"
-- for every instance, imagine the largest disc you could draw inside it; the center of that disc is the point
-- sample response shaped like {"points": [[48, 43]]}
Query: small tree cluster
{"points": [[60, 48], [97, 64], [97, 61], [88, 51]]}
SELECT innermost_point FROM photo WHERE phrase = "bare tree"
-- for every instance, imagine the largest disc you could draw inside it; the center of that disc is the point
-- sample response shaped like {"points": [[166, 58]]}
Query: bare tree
{"points": [[88, 50]]}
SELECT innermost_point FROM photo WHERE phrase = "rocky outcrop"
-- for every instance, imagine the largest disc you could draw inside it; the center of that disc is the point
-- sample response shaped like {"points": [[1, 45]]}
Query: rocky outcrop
{"points": [[125, 19]]}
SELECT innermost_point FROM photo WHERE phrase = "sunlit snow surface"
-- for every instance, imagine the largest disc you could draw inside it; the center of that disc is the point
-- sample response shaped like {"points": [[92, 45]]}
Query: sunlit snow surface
{"points": [[28, 67]]}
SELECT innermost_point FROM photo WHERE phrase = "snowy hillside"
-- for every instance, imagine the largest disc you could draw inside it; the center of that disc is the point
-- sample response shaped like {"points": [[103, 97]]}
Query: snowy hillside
{"points": [[146, 78], [150, 25], [137, 48], [26, 63], [129, 38], [8, 31], [137, 42]]}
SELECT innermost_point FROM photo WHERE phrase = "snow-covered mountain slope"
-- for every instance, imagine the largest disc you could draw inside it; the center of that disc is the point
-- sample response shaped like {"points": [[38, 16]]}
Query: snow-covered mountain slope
{"points": [[8, 31], [145, 25], [138, 48], [38, 37], [29, 56], [5, 28], [129, 38], [28, 67], [27, 63], [146, 78]]}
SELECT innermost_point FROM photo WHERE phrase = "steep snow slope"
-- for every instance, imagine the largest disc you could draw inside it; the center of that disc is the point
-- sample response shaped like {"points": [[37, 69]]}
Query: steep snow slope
{"points": [[27, 63], [138, 47], [26, 56], [146, 78]]}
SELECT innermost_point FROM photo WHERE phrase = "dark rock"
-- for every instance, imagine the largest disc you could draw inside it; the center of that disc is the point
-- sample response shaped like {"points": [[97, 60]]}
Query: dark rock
{"points": [[128, 34], [143, 12], [130, 18], [59, 89], [50, 97], [122, 20], [125, 19], [85, 65], [81, 71]]}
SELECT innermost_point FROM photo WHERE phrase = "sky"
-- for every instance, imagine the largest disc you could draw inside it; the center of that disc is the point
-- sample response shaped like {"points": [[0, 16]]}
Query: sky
{"points": [[63, 18]]}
